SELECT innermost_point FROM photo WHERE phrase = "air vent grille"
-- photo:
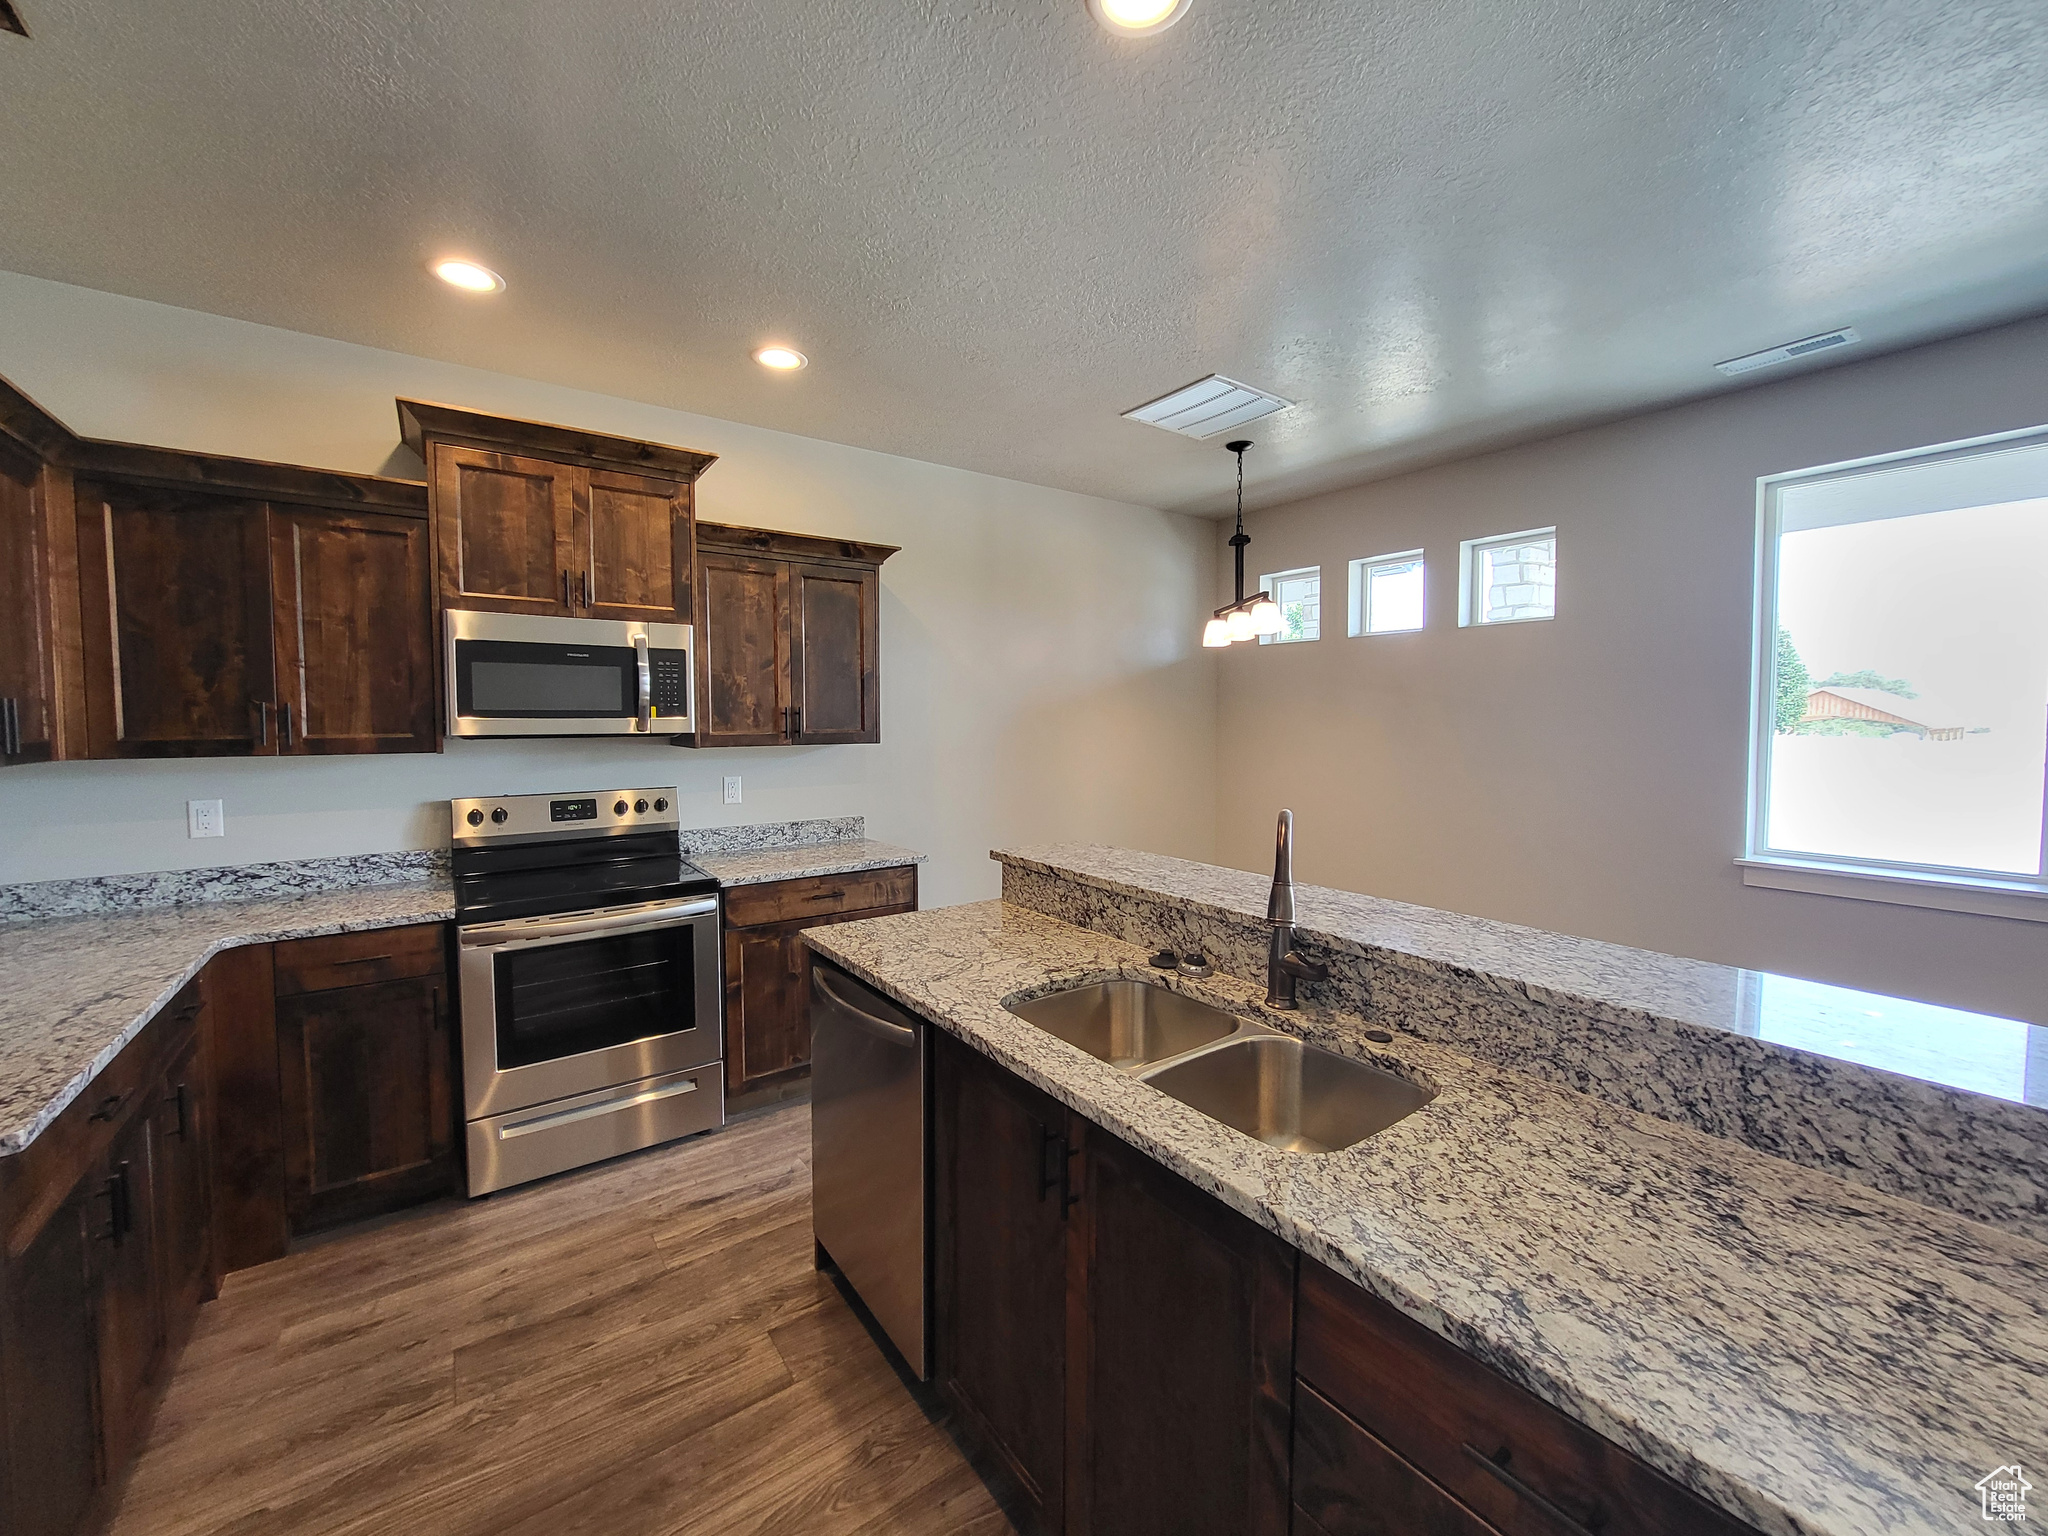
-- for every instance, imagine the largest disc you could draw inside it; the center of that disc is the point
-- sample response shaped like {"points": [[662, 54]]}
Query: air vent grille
{"points": [[1208, 406], [1772, 356]]}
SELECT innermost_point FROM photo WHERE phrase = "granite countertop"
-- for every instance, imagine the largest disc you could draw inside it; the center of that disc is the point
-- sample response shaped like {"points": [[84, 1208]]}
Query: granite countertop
{"points": [[1815, 1357], [755, 866], [74, 990]]}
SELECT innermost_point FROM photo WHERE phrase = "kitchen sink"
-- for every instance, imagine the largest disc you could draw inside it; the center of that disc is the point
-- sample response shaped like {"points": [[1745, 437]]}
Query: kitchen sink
{"points": [[1289, 1095], [1129, 1024]]}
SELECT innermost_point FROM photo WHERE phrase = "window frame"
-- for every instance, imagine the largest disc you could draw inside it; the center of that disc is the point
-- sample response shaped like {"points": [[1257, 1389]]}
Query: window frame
{"points": [[1360, 617], [1471, 610], [1951, 888], [1270, 583]]}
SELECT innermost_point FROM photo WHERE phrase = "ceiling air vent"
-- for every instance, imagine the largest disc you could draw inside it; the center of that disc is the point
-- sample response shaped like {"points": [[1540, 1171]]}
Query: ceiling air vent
{"points": [[10, 19], [1208, 406], [1772, 356]]}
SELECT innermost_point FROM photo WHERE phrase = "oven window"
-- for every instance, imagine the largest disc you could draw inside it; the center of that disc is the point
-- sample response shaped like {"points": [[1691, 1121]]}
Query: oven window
{"points": [[545, 688], [564, 999]]}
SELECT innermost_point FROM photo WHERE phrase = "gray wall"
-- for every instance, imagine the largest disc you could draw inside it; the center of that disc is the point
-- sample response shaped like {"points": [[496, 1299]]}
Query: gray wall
{"points": [[1588, 774], [1041, 676]]}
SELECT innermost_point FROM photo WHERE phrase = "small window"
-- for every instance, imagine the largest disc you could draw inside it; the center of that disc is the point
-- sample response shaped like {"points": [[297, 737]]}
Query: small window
{"points": [[1901, 685], [1300, 596], [1508, 580], [1386, 594]]}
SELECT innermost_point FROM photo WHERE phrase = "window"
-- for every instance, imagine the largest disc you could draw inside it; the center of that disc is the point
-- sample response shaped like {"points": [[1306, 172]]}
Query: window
{"points": [[1508, 579], [1386, 594], [1300, 596], [1900, 735]]}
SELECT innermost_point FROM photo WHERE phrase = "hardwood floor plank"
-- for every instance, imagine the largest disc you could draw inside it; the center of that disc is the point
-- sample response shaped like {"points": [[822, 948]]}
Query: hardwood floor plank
{"points": [[635, 1349]]}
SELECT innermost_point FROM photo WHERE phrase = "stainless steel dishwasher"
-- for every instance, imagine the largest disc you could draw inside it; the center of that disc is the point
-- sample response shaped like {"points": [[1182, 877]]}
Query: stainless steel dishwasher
{"points": [[869, 1208]]}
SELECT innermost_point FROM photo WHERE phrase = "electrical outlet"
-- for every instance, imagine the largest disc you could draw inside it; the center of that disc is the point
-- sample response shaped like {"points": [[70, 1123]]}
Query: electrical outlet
{"points": [[204, 818], [732, 791]]}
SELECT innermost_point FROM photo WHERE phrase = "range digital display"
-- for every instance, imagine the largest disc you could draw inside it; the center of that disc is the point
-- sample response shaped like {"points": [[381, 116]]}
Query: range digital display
{"points": [[572, 810]]}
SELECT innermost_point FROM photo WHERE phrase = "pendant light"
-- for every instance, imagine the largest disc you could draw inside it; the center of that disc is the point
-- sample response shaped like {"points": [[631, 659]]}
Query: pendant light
{"points": [[1247, 618]]}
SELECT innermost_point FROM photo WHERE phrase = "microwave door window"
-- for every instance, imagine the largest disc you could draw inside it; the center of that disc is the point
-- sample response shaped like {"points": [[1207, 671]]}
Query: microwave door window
{"points": [[545, 688], [562, 1000]]}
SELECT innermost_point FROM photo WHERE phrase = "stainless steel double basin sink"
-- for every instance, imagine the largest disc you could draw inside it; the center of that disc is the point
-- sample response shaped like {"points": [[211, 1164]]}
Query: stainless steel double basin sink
{"points": [[1269, 1086]]}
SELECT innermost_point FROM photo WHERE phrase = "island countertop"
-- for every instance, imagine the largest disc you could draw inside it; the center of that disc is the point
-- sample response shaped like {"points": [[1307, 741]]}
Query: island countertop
{"points": [[1817, 1358]]}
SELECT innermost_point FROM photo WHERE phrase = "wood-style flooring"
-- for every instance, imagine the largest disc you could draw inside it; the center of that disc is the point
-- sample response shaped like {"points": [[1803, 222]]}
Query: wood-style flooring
{"points": [[636, 1349]]}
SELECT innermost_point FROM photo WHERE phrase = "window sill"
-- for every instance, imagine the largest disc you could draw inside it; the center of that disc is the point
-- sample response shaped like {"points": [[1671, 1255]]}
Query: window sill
{"points": [[1986, 898]]}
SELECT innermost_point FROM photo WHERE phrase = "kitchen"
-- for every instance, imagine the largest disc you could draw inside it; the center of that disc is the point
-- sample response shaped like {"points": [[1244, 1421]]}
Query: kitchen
{"points": [[1714, 1200]]}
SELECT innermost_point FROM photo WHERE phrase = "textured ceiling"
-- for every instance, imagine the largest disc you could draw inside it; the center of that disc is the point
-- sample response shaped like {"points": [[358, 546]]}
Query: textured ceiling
{"points": [[1435, 223]]}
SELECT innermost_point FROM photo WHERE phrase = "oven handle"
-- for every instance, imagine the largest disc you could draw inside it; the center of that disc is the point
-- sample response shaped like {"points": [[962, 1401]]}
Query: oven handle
{"points": [[560, 930], [646, 676]]}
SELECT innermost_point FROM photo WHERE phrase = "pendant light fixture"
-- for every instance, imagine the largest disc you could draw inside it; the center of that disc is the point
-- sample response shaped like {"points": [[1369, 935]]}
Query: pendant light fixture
{"points": [[1247, 618]]}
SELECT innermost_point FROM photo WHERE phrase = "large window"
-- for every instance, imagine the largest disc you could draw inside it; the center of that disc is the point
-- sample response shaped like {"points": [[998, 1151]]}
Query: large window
{"points": [[1509, 579], [1901, 729], [1300, 596], [1386, 593]]}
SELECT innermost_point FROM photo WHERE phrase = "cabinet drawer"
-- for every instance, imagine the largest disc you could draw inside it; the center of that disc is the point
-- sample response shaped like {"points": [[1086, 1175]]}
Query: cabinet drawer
{"points": [[354, 959], [782, 901], [1522, 1466], [1347, 1483]]}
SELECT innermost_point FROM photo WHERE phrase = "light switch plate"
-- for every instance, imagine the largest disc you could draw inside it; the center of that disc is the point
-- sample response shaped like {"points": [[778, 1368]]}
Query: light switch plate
{"points": [[204, 818], [732, 790]]}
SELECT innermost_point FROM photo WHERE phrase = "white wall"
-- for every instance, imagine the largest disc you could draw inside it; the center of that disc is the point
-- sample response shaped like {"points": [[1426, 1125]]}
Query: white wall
{"points": [[1039, 673], [1587, 775]]}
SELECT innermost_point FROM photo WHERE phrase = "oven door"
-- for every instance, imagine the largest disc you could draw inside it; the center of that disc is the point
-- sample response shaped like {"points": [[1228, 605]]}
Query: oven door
{"points": [[554, 1006], [513, 674]]}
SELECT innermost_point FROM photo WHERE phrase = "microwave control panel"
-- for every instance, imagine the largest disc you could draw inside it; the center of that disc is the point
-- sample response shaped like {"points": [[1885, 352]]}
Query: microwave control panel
{"points": [[671, 671]]}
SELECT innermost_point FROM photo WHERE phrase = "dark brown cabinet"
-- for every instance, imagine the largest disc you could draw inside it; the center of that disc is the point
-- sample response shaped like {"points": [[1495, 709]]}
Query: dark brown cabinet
{"points": [[52, 1423], [999, 1256], [365, 1074], [788, 638], [532, 518], [767, 966], [39, 703], [122, 1225], [184, 1189], [217, 624]]}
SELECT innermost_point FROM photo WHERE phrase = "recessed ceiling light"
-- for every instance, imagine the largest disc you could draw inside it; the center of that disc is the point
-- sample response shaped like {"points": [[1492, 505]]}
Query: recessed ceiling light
{"points": [[468, 276], [781, 359], [1137, 18]]}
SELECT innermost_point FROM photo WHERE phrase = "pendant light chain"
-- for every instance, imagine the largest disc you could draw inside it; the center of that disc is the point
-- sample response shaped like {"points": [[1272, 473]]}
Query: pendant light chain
{"points": [[1244, 618]]}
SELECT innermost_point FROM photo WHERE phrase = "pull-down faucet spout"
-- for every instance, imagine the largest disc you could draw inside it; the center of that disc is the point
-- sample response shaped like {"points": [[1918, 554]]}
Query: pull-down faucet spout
{"points": [[1285, 963]]}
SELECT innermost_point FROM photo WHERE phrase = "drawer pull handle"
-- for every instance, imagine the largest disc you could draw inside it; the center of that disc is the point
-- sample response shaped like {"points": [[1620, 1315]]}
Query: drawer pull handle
{"points": [[1497, 1464], [837, 895]]}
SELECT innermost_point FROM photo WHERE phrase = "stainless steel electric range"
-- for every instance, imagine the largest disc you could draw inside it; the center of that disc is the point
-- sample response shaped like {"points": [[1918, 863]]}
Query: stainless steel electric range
{"points": [[589, 965]]}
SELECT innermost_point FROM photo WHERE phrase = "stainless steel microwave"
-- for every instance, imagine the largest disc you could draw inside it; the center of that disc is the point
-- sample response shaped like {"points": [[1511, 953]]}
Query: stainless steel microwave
{"points": [[521, 674]]}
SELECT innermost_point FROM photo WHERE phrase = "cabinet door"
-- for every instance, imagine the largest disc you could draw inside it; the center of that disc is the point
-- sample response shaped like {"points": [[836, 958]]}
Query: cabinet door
{"points": [[184, 1205], [504, 529], [637, 544], [767, 1005], [52, 1430], [1348, 1483], [999, 1260], [743, 661], [175, 592], [1181, 1356], [365, 1074], [354, 632], [27, 726], [836, 633], [122, 1217]]}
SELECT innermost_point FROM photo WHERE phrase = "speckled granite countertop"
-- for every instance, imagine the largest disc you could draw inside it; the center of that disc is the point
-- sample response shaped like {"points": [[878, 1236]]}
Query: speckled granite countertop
{"points": [[755, 866], [1815, 1357], [73, 991]]}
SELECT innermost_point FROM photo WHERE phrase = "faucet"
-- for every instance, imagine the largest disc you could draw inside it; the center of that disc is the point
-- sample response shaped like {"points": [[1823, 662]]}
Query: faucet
{"points": [[1284, 963]]}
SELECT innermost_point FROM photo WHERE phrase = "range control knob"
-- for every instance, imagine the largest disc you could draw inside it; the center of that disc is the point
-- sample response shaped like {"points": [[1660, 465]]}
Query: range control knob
{"points": [[661, 805], [475, 818], [640, 806], [499, 816], [620, 808]]}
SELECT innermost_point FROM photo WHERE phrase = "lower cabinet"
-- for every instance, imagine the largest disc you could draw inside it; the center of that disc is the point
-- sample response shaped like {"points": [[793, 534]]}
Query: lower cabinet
{"points": [[52, 1419], [127, 1288], [365, 1075], [1120, 1341]]}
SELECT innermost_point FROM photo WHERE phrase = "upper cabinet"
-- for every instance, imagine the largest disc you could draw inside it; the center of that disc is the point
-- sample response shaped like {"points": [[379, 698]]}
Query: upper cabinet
{"points": [[40, 714], [788, 638], [531, 518], [226, 612]]}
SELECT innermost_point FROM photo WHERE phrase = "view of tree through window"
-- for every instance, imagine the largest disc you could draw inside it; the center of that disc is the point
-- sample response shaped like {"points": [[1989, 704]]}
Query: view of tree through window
{"points": [[1910, 687]]}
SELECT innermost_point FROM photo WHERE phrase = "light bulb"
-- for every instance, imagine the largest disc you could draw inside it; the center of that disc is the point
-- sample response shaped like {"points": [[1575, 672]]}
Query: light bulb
{"points": [[1137, 18], [1267, 618], [781, 359], [469, 276], [1215, 634], [1241, 626]]}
